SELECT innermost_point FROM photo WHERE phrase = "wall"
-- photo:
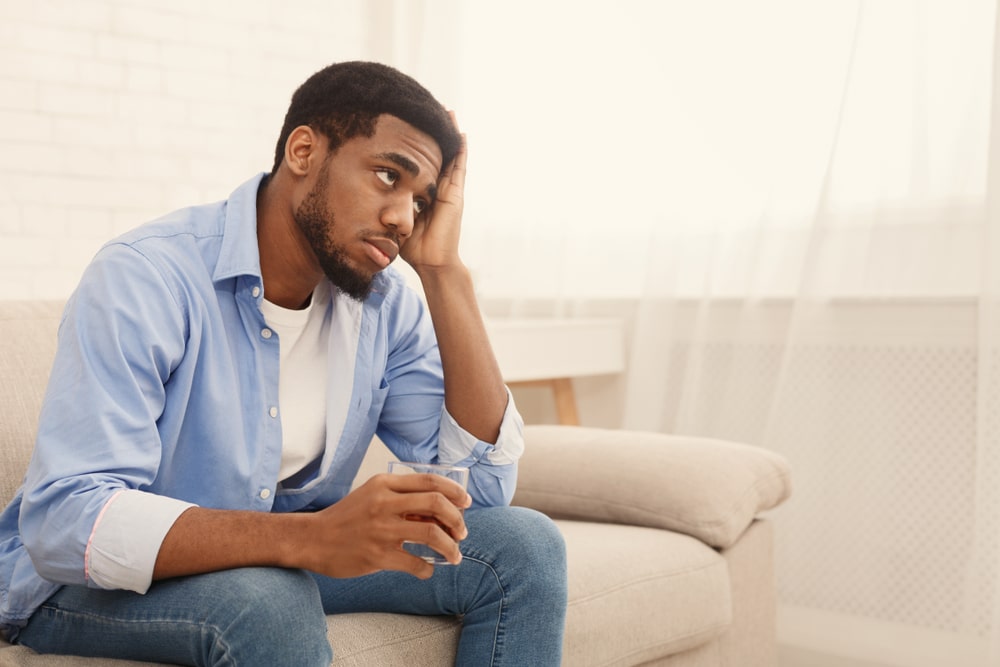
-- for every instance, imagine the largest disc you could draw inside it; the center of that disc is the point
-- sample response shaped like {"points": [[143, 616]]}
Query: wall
{"points": [[116, 111]]}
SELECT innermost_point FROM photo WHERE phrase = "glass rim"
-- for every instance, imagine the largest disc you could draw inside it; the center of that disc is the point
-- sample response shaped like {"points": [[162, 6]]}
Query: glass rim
{"points": [[436, 466]]}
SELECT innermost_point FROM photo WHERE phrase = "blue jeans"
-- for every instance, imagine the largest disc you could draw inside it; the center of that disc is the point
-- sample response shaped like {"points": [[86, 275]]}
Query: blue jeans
{"points": [[510, 591]]}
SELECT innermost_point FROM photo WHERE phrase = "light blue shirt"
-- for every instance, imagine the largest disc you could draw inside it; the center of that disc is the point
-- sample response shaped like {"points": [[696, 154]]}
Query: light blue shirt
{"points": [[164, 394]]}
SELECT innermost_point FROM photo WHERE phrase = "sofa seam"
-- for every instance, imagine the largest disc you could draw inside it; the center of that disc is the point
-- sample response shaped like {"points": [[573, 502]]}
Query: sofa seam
{"points": [[653, 577]]}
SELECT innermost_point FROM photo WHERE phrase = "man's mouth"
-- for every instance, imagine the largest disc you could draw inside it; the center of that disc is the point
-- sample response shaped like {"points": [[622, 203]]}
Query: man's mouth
{"points": [[381, 250]]}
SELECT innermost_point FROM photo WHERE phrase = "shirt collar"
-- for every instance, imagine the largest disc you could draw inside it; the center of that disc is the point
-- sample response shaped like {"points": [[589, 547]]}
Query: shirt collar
{"points": [[239, 254]]}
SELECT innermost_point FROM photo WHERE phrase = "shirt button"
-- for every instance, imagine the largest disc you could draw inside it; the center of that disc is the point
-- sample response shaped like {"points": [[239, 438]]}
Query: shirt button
{"points": [[273, 411], [265, 333], [255, 291], [265, 494]]}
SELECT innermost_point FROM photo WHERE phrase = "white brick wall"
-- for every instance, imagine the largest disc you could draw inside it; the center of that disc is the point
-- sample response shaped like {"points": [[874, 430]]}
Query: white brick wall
{"points": [[116, 111]]}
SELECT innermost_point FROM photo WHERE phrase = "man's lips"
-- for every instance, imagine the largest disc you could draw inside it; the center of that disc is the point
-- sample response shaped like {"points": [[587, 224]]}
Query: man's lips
{"points": [[381, 250]]}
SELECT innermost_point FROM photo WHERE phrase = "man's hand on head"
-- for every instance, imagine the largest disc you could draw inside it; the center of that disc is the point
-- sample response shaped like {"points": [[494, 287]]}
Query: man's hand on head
{"points": [[433, 245]]}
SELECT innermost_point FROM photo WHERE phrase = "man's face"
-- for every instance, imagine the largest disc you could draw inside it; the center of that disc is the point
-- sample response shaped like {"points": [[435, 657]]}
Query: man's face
{"points": [[366, 198]]}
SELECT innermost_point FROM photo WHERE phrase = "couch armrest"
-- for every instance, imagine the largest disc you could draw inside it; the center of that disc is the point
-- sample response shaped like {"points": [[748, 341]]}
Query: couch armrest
{"points": [[709, 489]]}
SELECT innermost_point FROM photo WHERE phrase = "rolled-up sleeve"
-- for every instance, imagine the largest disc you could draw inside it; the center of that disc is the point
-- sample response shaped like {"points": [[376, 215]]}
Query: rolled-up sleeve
{"points": [[126, 539], [455, 444], [493, 467]]}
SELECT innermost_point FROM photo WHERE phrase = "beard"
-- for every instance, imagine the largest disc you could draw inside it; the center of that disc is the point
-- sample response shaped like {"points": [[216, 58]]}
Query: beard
{"points": [[315, 220]]}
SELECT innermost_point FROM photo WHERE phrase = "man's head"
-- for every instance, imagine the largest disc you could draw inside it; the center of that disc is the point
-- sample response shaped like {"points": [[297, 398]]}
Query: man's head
{"points": [[343, 101], [357, 166]]}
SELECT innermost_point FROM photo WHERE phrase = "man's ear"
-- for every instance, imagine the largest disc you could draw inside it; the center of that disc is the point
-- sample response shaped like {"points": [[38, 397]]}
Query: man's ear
{"points": [[301, 150]]}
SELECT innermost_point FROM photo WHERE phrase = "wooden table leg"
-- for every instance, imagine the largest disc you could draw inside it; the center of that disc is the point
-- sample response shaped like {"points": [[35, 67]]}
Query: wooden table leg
{"points": [[565, 402], [562, 389]]}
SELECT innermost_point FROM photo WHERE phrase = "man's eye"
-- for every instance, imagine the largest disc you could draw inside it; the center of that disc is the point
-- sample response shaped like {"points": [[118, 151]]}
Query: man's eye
{"points": [[387, 176], [419, 206]]}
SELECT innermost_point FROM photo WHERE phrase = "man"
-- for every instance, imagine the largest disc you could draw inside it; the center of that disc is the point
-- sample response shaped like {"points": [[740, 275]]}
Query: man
{"points": [[219, 375]]}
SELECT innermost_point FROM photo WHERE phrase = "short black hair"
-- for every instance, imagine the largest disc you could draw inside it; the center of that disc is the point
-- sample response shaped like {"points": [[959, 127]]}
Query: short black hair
{"points": [[344, 100]]}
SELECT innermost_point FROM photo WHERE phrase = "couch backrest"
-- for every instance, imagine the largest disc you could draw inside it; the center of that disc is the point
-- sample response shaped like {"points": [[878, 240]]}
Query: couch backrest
{"points": [[27, 345]]}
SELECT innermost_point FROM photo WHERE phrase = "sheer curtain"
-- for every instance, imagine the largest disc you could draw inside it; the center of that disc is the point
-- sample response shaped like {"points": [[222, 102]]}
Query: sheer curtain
{"points": [[794, 208]]}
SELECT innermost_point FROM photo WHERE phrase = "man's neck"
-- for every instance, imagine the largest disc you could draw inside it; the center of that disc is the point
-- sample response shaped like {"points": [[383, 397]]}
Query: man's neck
{"points": [[287, 265]]}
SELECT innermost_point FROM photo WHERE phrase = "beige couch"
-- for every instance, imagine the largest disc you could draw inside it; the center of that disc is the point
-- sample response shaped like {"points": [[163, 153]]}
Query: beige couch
{"points": [[669, 563]]}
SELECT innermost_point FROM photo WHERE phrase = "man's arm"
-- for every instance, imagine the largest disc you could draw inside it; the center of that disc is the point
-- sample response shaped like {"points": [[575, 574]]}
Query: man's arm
{"points": [[475, 394], [361, 534]]}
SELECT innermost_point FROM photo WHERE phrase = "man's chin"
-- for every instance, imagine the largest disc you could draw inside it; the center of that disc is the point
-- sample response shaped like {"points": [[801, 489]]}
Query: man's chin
{"points": [[350, 283]]}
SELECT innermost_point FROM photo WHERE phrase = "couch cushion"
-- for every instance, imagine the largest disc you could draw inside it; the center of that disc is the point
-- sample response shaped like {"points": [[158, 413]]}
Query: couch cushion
{"points": [[709, 489], [362, 640], [636, 594]]}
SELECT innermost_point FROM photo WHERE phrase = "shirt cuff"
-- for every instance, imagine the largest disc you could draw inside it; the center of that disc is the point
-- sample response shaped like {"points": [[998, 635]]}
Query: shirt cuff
{"points": [[126, 539], [456, 444]]}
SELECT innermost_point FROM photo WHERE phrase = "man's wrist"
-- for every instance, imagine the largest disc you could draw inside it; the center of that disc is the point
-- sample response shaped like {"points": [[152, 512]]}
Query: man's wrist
{"points": [[297, 532], [447, 275]]}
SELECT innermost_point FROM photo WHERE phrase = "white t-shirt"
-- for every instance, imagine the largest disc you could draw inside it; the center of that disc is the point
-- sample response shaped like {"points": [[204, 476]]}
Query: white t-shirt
{"points": [[304, 337]]}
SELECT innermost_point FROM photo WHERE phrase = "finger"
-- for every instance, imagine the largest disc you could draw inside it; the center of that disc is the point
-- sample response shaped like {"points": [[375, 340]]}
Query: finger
{"points": [[427, 482], [401, 560], [453, 524], [413, 240], [429, 533], [432, 508], [456, 174], [458, 163]]}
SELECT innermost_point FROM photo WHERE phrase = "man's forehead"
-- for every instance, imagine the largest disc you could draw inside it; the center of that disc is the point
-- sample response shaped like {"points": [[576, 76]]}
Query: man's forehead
{"points": [[398, 138]]}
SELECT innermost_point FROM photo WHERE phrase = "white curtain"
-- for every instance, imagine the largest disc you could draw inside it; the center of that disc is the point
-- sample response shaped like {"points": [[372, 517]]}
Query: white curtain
{"points": [[794, 207]]}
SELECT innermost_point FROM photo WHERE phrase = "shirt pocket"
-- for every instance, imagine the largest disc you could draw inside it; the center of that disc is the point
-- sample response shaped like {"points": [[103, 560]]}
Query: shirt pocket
{"points": [[379, 395]]}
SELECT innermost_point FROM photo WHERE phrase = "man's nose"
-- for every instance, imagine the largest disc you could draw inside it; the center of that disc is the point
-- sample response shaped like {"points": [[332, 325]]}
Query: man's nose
{"points": [[400, 216]]}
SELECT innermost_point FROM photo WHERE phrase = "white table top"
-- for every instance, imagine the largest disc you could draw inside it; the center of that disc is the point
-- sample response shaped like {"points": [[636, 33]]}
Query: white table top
{"points": [[544, 348]]}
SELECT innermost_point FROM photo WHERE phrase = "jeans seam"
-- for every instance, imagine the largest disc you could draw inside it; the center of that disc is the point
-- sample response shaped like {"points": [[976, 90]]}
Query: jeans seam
{"points": [[498, 632], [219, 636]]}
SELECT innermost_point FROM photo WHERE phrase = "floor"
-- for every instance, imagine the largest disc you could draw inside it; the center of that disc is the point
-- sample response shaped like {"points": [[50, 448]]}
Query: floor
{"points": [[790, 656]]}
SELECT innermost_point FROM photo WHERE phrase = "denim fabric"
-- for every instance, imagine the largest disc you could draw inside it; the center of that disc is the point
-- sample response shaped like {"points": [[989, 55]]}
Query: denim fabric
{"points": [[510, 591], [254, 616]]}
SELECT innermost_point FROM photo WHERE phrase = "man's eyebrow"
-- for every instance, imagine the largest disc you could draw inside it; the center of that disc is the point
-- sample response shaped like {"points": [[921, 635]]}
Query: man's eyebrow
{"points": [[401, 161], [410, 167]]}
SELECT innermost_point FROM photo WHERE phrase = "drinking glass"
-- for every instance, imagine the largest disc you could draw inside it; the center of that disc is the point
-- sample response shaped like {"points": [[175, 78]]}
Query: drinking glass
{"points": [[454, 473]]}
